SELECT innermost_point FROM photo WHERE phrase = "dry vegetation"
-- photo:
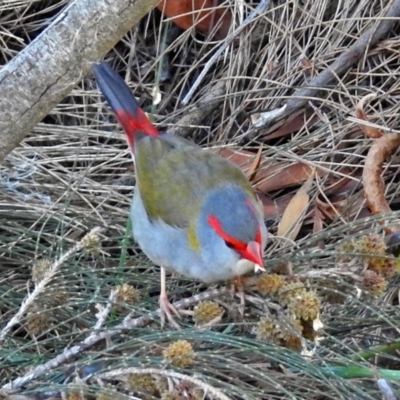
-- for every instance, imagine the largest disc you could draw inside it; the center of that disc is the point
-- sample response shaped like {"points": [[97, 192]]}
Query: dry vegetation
{"points": [[74, 173]]}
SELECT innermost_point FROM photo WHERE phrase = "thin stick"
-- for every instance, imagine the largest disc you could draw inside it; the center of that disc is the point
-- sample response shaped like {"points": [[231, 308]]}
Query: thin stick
{"points": [[103, 313]]}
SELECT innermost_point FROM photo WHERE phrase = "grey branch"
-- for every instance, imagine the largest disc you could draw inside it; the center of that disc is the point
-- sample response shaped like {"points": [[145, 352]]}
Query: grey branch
{"points": [[41, 75]]}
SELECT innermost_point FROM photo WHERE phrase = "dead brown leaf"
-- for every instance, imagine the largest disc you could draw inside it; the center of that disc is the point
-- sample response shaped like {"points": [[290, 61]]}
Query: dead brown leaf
{"points": [[255, 165], [307, 118], [279, 176], [293, 217], [204, 15]]}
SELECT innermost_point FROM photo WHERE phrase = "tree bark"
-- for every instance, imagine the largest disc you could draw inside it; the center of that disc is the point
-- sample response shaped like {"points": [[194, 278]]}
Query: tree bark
{"points": [[42, 74]]}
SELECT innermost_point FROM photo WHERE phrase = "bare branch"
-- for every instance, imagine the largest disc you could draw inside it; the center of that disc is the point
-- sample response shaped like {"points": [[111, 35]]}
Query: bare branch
{"points": [[41, 75]]}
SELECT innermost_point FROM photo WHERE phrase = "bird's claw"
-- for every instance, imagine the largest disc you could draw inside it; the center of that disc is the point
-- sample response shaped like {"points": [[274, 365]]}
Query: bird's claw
{"points": [[166, 311]]}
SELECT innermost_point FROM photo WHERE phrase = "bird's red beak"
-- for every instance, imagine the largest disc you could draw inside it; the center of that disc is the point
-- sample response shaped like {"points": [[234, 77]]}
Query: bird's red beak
{"points": [[253, 253]]}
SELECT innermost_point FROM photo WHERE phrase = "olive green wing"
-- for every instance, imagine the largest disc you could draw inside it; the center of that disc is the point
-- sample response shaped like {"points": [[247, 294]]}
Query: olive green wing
{"points": [[174, 175]]}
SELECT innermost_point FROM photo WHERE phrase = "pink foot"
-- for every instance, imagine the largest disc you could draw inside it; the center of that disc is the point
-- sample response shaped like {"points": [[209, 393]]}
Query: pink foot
{"points": [[167, 309]]}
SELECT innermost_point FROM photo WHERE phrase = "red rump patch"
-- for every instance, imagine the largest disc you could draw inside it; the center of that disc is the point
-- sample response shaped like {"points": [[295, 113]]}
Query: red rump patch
{"points": [[134, 123]]}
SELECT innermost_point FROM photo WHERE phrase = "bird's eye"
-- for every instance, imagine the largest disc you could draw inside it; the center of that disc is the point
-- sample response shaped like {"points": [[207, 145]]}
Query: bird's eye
{"points": [[229, 244]]}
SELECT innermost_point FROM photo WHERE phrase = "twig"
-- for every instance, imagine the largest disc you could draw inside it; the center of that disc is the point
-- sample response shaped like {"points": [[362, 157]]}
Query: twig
{"points": [[171, 374], [103, 313], [51, 271], [346, 60], [128, 323], [262, 6]]}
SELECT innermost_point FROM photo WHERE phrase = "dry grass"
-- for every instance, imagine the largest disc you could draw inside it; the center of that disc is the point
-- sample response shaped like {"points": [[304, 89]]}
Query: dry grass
{"points": [[73, 173]]}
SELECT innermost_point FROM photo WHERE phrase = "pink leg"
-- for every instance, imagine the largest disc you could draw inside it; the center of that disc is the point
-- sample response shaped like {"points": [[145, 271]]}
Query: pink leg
{"points": [[237, 286], [167, 309]]}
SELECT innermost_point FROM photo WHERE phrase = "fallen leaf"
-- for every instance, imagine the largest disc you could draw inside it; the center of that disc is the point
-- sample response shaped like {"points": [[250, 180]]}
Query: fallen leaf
{"points": [[273, 208], [318, 220], [242, 158], [271, 175], [308, 118], [293, 217], [279, 176], [255, 165], [205, 15]]}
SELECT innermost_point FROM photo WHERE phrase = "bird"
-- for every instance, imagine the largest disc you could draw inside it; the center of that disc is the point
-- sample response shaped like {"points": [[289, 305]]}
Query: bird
{"points": [[193, 212]]}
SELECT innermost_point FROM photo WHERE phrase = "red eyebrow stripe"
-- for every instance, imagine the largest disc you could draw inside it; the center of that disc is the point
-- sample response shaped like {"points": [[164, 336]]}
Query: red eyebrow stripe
{"points": [[237, 244]]}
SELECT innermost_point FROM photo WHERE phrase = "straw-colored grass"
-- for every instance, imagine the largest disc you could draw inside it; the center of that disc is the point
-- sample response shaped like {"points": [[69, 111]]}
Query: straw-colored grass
{"points": [[74, 173]]}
